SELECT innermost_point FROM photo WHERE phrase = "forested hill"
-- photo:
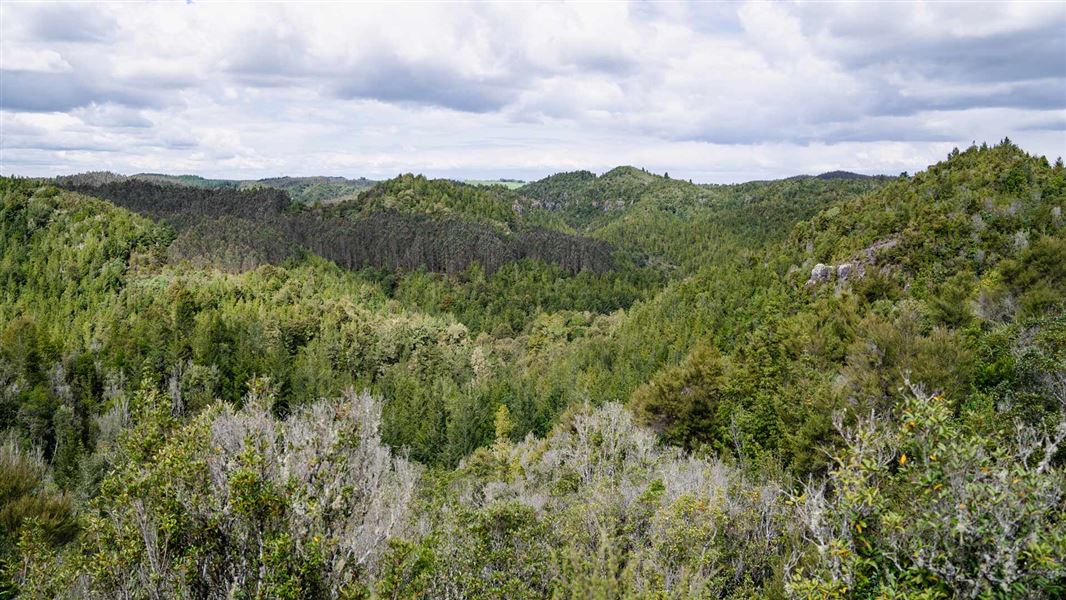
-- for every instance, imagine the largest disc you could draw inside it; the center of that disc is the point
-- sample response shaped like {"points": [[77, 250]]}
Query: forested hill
{"points": [[304, 190], [407, 223], [807, 388], [490, 205], [847, 175], [314, 190], [585, 200]]}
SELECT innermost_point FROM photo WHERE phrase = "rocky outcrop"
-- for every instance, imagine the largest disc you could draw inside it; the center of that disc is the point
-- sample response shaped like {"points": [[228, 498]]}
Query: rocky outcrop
{"points": [[853, 268], [820, 274]]}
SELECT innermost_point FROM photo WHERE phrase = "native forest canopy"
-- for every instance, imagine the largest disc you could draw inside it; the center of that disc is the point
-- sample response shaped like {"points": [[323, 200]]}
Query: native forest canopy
{"points": [[615, 385]]}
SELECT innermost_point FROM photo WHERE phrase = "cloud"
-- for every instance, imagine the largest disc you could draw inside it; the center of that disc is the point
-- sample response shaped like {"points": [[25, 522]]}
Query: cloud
{"points": [[974, 42], [1056, 122], [112, 117], [1040, 94], [70, 23], [33, 59], [392, 79], [374, 89], [39, 91], [269, 57]]}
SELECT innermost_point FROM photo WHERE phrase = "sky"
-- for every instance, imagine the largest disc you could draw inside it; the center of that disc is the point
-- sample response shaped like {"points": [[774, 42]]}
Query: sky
{"points": [[714, 92]]}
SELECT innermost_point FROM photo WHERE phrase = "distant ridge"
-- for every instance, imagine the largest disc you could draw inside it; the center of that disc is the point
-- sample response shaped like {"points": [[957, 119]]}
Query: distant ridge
{"points": [[848, 175], [304, 190]]}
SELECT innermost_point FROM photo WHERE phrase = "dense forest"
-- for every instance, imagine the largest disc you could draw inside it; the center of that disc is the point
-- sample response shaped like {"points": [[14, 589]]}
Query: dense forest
{"points": [[589, 386], [401, 224], [303, 190]]}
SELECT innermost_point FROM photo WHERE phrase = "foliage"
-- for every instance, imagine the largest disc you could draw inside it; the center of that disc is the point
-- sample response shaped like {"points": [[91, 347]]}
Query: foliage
{"points": [[30, 509], [405, 223], [598, 509], [170, 386], [304, 190], [240, 504], [927, 506], [436, 197], [314, 190]]}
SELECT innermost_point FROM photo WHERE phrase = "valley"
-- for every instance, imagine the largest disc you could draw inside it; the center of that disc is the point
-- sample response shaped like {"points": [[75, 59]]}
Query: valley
{"points": [[590, 385]]}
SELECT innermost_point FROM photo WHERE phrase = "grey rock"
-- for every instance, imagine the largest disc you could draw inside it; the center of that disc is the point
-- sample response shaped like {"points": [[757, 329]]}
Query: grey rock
{"points": [[820, 274]]}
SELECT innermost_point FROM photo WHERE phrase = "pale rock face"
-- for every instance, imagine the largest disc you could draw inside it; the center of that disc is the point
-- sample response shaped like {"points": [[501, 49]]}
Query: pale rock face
{"points": [[820, 274], [843, 270]]}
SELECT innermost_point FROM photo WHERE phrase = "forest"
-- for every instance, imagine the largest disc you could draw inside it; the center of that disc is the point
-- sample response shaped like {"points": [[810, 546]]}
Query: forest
{"points": [[302, 190], [604, 386]]}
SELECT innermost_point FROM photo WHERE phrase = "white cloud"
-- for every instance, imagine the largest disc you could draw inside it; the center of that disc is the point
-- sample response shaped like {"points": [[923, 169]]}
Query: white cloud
{"points": [[715, 92]]}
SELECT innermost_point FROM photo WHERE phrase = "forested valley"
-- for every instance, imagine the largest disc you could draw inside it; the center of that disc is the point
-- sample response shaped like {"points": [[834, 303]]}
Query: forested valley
{"points": [[590, 386]]}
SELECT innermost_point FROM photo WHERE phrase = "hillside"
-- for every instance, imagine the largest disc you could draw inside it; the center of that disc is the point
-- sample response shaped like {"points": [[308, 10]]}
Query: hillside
{"points": [[406, 223], [187, 180], [302, 190], [511, 184], [585, 201], [314, 190], [438, 198], [558, 191], [847, 175], [922, 259], [608, 386], [674, 224]]}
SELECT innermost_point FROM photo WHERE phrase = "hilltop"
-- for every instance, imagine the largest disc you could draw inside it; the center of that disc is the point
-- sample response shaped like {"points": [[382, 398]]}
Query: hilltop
{"points": [[585, 200]]}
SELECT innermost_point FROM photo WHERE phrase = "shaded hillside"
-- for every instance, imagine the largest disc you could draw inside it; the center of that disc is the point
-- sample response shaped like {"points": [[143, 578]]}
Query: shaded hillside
{"points": [[303, 190], [87, 296], [407, 224], [179, 203], [390, 239], [231, 244]]}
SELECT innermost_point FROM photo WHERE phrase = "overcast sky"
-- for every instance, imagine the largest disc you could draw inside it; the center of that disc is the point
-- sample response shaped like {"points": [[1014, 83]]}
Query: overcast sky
{"points": [[713, 92]]}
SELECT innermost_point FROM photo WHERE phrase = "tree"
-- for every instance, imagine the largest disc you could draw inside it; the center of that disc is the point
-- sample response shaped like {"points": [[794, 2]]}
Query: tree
{"points": [[686, 403], [919, 504], [239, 503]]}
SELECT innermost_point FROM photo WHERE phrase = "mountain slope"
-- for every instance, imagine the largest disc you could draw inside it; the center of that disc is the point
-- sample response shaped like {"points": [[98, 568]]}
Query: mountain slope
{"points": [[303, 190], [585, 201], [950, 275], [436, 198], [407, 223]]}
